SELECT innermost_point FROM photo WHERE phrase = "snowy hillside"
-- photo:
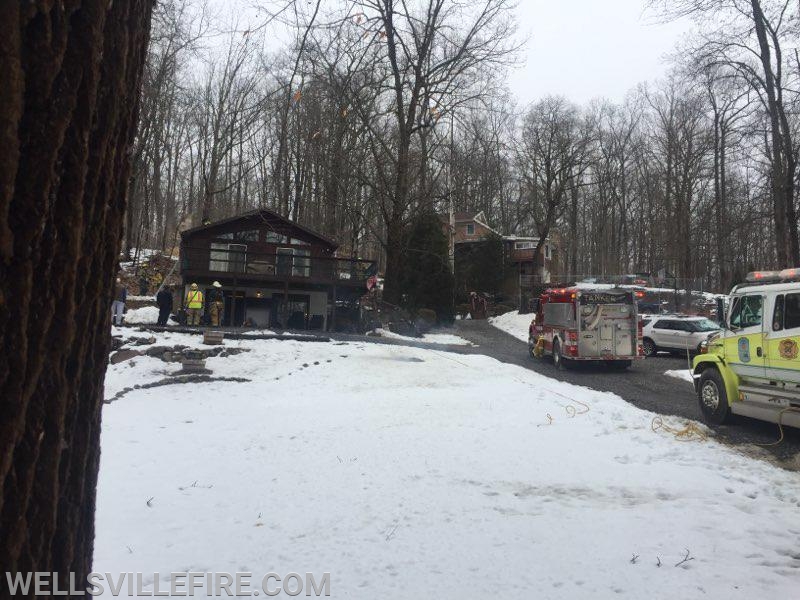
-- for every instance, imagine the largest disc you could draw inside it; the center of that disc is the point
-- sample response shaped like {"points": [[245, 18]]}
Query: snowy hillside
{"points": [[410, 473], [513, 323]]}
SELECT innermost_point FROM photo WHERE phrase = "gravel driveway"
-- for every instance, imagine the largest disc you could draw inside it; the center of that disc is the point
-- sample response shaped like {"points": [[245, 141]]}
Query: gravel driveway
{"points": [[643, 385]]}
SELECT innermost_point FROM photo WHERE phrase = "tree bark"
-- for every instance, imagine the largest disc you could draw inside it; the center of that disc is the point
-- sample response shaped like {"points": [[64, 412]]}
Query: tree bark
{"points": [[72, 72]]}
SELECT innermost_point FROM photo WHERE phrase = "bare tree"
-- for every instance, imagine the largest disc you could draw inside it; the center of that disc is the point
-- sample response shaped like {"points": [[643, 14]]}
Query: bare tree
{"points": [[433, 53], [551, 159], [748, 36]]}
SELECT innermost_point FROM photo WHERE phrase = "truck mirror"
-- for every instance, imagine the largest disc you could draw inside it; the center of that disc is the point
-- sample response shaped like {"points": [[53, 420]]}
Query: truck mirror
{"points": [[535, 305], [720, 312]]}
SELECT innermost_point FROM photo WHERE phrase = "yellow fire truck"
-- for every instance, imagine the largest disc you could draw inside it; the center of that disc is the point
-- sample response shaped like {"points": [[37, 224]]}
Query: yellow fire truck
{"points": [[752, 367]]}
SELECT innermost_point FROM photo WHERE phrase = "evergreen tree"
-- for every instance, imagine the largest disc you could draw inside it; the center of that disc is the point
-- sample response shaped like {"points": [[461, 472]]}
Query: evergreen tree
{"points": [[480, 266], [426, 280]]}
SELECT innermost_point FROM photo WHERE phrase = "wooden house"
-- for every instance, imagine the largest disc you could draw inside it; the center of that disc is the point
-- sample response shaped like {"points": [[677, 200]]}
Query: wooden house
{"points": [[274, 273]]}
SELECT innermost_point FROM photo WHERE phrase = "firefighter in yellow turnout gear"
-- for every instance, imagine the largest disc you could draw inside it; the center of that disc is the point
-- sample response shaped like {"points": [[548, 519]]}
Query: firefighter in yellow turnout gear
{"points": [[194, 305], [216, 306]]}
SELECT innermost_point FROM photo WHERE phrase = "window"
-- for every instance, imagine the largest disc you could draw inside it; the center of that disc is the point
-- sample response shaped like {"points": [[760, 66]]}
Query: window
{"points": [[298, 242], [547, 253], [229, 258], [293, 261], [273, 237], [777, 315], [283, 263], [218, 257], [302, 263], [237, 258], [746, 312], [703, 325], [791, 315], [291, 314], [470, 228], [663, 324], [524, 245], [251, 235]]}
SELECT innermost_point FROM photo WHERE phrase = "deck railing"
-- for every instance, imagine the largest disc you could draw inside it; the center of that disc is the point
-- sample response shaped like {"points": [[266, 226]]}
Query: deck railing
{"points": [[284, 263]]}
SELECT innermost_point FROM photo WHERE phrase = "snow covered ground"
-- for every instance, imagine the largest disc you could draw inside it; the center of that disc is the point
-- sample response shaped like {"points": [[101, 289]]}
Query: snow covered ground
{"points": [[433, 338], [411, 473], [146, 315], [513, 323]]}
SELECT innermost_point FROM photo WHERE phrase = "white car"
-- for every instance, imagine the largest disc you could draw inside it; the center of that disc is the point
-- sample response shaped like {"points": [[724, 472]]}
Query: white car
{"points": [[675, 333]]}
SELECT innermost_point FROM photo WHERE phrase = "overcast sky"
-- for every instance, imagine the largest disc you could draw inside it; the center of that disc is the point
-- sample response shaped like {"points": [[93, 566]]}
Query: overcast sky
{"points": [[585, 49], [582, 49]]}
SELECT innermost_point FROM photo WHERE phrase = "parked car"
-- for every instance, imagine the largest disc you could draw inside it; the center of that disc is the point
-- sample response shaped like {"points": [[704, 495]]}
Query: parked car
{"points": [[675, 333]]}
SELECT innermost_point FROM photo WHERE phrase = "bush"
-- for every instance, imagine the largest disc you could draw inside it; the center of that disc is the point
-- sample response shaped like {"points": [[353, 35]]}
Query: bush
{"points": [[426, 319]]}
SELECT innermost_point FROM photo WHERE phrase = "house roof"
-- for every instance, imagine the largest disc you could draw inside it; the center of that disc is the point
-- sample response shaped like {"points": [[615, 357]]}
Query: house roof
{"points": [[264, 213], [469, 216], [521, 238]]}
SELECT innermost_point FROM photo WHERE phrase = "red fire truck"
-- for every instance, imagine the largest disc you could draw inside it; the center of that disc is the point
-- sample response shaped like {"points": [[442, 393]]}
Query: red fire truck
{"points": [[578, 324]]}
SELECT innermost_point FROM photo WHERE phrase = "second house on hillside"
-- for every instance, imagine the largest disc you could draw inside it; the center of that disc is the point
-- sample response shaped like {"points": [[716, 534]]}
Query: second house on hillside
{"points": [[520, 270]]}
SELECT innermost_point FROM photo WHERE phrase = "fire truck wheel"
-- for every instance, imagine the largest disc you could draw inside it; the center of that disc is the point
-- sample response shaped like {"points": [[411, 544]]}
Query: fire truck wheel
{"points": [[559, 361], [712, 397], [649, 347]]}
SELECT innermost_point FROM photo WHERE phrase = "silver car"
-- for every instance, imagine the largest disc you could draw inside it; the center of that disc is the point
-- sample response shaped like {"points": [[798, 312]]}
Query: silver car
{"points": [[676, 333]]}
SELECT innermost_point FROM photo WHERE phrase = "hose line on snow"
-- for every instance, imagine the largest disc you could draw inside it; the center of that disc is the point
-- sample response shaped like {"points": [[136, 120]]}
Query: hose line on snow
{"points": [[689, 433]]}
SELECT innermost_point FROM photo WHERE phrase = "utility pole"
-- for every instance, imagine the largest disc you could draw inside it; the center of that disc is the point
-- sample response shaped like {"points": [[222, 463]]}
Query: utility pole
{"points": [[452, 215]]}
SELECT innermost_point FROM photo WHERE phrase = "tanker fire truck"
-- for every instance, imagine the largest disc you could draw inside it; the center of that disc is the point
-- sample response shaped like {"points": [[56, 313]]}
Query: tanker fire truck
{"points": [[752, 366], [574, 324]]}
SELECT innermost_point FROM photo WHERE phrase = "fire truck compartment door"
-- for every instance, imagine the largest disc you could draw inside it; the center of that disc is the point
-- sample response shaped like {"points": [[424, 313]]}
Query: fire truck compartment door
{"points": [[623, 339], [607, 331]]}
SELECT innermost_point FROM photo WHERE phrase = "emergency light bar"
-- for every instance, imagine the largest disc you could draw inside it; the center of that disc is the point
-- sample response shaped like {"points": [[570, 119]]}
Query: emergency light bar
{"points": [[763, 276], [790, 274], [773, 276]]}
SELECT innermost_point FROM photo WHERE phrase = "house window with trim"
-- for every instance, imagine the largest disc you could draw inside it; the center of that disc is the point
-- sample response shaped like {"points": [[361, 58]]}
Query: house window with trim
{"points": [[470, 228], [230, 258], [524, 245], [293, 261], [547, 252]]}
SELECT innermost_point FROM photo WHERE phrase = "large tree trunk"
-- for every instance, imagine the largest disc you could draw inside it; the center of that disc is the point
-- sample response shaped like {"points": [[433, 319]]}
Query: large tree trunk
{"points": [[67, 116]]}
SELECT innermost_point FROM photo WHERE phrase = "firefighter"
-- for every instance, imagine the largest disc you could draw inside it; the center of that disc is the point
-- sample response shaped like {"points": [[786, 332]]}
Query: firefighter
{"points": [[194, 305], [156, 280], [216, 304], [144, 282]]}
